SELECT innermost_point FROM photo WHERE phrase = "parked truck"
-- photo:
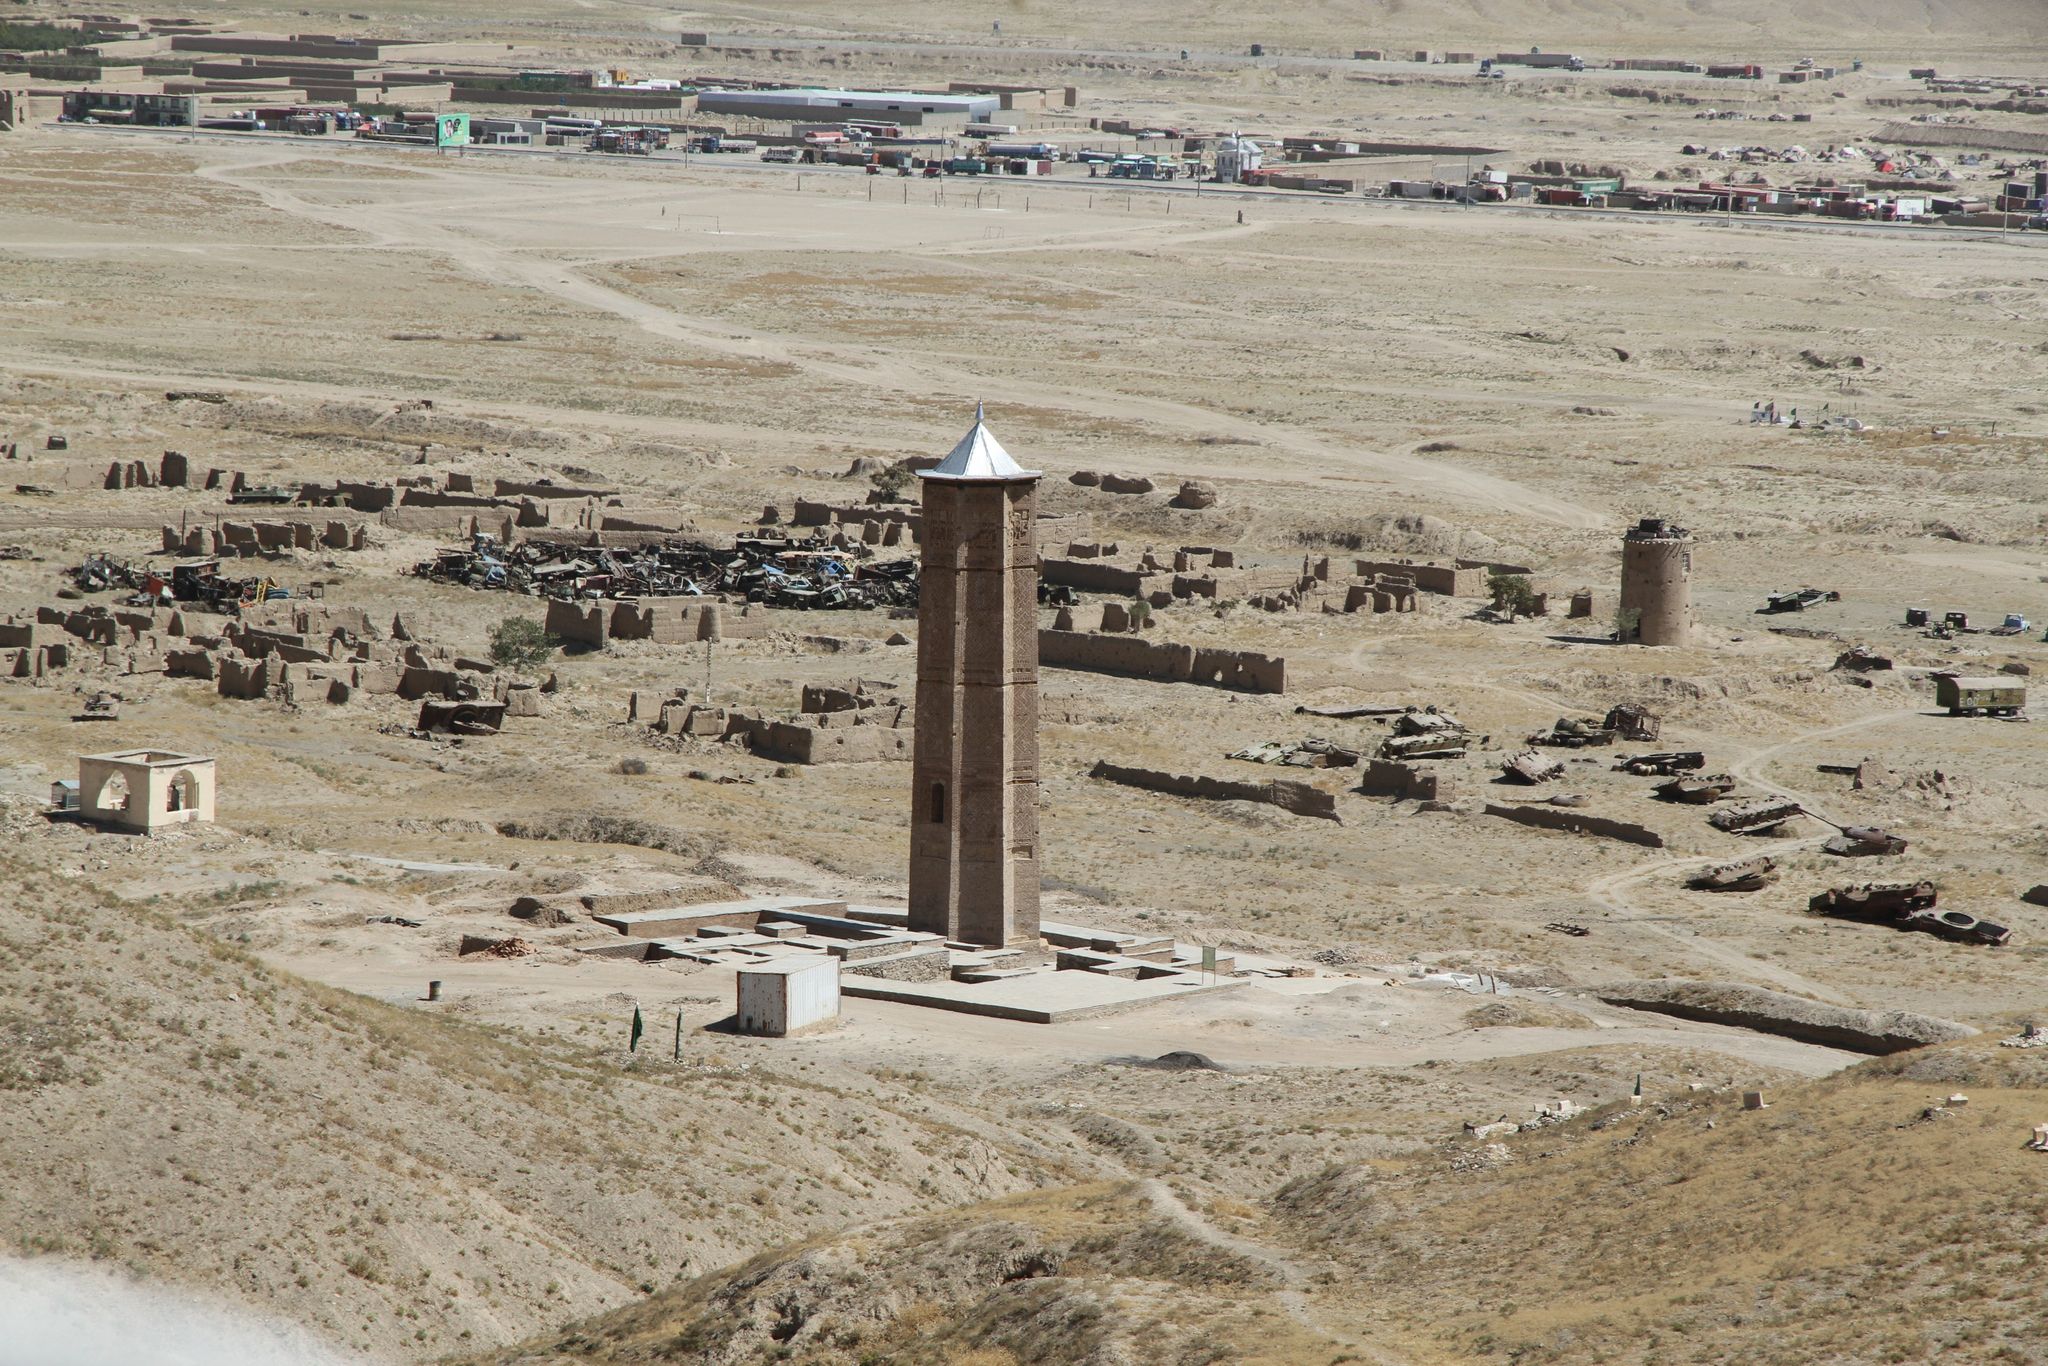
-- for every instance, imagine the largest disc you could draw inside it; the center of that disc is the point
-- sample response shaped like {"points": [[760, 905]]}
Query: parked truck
{"points": [[1556, 61], [1032, 151], [1979, 696]]}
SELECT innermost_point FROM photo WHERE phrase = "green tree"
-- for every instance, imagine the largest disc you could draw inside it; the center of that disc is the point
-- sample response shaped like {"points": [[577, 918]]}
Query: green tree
{"points": [[1512, 593], [522, 644], [891, 481]]}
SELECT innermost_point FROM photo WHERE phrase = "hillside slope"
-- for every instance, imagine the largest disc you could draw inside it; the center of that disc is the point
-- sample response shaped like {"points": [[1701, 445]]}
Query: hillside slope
{"points": [[1856, 1219], [1097, 1275], [404, 1182]]}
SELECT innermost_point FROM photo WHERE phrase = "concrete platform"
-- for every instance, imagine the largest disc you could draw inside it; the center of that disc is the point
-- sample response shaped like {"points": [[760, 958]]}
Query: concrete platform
{"points": [[670, 922], [1035, 998]]}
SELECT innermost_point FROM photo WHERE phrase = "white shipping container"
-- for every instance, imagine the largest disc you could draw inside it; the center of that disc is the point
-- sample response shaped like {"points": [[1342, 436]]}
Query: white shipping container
{"points": [[788, 996]]}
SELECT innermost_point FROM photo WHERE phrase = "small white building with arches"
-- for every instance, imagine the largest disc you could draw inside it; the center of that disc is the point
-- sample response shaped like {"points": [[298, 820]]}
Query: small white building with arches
{"points": [[145, 789]]}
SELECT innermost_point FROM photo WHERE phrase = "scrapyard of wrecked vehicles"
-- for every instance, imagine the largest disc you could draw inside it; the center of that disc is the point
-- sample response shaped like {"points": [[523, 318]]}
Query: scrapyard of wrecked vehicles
{"points": [[197, 582], [1904, 906], [770, 570]]}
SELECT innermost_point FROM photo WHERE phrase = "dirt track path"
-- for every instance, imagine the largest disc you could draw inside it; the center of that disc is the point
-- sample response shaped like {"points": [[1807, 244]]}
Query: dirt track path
{"points": [[1291, 1276], [1612, 890], [1750, 767], [873, 366]]}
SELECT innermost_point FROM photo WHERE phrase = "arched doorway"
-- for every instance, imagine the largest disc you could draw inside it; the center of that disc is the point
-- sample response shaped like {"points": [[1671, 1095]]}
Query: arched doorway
{"points": [[183, 794], [113, 794]]}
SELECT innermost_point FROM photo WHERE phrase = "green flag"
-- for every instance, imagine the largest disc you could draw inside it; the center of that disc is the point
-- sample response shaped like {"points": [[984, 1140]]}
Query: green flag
{"points": [[679, 1036], [639, 1028]]}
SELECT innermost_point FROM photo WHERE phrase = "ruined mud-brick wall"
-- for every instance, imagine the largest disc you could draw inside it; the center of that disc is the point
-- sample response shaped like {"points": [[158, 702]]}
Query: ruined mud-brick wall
{"points": [[443, 498], [1933, 135], [1452, 579], [1386, 778], [884, 524], [884, 534], [885, 715], [683, 621], [519, 488], [1165, 661], [1497, 567], [349, 494], [256, 538], [34, 661], [665, 621], [1577, 823], [1229, 583], [1117, 654], [1586, 603], [810, 513], [680, 717], [193, 663], [1242, 670], [577, 623], [792, 742], [679, 894], [307, 619], [274, 677], [424, 519], [292, 649], [112, 626], [1303, 799], [1099, 576], [130, 640], [650, 521]]}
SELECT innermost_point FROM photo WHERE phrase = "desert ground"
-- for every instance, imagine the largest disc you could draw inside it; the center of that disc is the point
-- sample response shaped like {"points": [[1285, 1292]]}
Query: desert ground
{"points": [[221, 1070]]}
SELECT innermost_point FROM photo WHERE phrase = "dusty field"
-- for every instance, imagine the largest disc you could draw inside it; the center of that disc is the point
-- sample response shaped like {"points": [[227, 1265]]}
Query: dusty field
{"points": [[1902, 30], [193, 1008]]}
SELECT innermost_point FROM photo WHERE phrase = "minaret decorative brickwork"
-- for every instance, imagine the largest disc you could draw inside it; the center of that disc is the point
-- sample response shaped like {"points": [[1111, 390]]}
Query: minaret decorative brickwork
{"points": [[974, 797]]}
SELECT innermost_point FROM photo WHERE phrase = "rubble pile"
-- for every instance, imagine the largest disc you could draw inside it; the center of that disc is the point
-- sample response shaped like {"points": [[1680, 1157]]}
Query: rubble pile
{"points": [[477, 946]]}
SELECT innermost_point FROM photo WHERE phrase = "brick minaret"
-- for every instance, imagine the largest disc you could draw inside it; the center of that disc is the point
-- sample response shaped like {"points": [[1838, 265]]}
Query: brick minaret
{"points": [[974, 785]]}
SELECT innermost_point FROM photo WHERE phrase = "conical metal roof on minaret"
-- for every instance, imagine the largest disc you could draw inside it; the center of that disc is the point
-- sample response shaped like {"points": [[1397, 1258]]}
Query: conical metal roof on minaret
{"points": [[979, 459]]}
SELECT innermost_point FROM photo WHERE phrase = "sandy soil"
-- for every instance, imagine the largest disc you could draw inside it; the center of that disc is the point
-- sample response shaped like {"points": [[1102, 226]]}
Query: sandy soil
{"points": [[718, 337]]}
